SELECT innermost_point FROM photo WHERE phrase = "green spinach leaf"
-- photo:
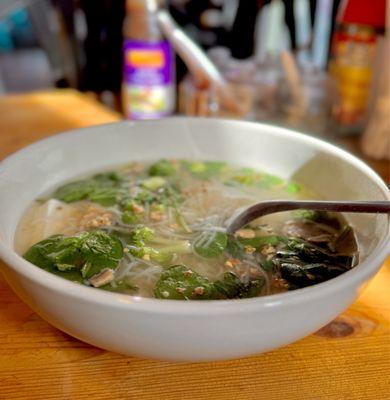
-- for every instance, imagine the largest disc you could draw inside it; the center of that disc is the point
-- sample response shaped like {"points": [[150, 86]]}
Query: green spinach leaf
{"points": [[181, 283], [231, 287], [210, 244], [88, 253], [162, 168]]}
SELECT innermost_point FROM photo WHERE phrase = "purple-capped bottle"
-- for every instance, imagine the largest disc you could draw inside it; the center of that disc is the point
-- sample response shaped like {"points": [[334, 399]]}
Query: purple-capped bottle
{"points": [[149, 80]]}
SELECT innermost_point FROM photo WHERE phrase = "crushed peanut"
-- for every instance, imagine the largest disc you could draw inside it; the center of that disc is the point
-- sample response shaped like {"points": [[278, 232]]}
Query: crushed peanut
{"points": [[180, 290], [199, 290], [125, 250], [280, 283], [188, 273], [249, 249], [137, 209], [95, 218], [245, 233], [268, 250], [255, 272], [157, 216], [232, 262], [146, 257]]}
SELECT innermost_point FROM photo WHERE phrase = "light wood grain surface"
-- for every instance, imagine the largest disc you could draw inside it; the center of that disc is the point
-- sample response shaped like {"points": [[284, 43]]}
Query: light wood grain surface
{"points": [[349, 359]]}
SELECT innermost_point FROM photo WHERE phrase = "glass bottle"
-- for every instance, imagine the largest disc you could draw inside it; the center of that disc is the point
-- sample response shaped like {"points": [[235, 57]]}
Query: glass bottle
{"points": [[148, 89]]}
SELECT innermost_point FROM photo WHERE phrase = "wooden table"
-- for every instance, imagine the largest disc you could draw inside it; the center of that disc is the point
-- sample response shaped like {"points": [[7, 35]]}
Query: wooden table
{"points": [[349, 359]]}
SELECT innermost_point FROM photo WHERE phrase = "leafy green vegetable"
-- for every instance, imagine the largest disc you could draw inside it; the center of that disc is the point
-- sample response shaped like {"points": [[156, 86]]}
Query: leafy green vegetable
{"points": [[267, 265], [121, 286], [75, 191], [311, 253], [153, 183], [99, 250], [37, 254], [252, 288], [108, 178], [260, 241], [267, 181], [293, 188], [312, 215], [149, 253], [244, 176], [210, 244], [236, 246], [204, 169], [102, 188], [72, 275], [302, 275], [144, 243], [302, 263], [130, 217], [142, 234], [162, 168], [232, 287], [145, 197], [66, 254], [181, 283], [88, 253], [251, 177], [107, 197]]}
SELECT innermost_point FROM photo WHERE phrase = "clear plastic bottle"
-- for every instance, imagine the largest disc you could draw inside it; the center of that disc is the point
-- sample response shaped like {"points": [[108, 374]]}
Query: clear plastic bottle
{"points": [[148, 89]]}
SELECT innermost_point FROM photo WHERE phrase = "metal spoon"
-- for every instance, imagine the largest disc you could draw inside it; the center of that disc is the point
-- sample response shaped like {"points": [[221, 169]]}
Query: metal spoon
{"points": [[274, 206]]}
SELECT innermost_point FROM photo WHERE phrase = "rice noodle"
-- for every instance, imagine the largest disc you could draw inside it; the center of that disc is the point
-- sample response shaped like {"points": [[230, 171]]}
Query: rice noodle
{"points": [[206, 208]]}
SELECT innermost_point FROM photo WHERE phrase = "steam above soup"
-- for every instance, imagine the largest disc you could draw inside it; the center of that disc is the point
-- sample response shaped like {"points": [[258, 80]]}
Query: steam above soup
{"points": [[158, 230]]}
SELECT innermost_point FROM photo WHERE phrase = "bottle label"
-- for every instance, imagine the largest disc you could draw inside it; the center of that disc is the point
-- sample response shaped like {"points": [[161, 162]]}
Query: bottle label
{"points": [[149, 86]]}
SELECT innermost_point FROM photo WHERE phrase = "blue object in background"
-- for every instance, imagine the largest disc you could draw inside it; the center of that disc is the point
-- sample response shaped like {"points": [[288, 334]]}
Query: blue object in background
{"points": [[6, 42], [16, 31], [21, 28]]}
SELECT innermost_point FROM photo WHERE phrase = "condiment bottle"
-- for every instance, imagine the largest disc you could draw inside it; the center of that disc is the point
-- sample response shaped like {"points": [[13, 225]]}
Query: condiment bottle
{"points": [[148, 88], [352, 56]]}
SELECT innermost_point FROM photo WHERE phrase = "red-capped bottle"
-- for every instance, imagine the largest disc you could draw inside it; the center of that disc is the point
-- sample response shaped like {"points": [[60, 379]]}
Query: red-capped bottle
{"points": [[352, 56]]}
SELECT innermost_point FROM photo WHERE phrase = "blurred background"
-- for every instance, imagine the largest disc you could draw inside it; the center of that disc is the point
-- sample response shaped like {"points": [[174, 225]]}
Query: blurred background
{"points": [[318, 66]]}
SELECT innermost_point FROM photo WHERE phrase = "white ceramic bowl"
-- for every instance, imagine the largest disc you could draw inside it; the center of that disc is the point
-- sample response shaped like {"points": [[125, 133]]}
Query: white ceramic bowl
{"points": [[178, 330]]}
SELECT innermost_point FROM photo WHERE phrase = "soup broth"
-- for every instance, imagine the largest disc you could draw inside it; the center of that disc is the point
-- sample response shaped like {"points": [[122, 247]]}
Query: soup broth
{"points": [[159, 230]]}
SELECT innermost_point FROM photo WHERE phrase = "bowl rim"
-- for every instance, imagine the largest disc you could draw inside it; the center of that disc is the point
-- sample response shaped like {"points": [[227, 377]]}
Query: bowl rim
{"points": [[136, 303]]}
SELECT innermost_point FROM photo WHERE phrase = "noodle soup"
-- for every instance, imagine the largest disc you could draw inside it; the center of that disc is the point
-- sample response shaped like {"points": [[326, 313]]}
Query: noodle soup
{"points": [[159, 230]]}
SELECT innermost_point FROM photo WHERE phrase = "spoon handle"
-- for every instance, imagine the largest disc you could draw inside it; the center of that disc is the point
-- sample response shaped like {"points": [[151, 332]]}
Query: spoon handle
{"points": [[274, 206]]}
